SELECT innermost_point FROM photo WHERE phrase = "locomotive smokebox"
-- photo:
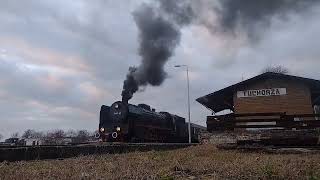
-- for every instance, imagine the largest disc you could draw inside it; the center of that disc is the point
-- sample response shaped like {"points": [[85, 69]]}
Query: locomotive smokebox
{"points": [[118, 112]]}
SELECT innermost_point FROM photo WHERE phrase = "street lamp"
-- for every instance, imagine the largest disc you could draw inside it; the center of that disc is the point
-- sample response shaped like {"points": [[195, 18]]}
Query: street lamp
{"points": [[189, 125]]}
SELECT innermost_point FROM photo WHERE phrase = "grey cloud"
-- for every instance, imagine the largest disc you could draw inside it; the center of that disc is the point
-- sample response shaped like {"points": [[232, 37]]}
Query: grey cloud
{"points": [[104, 35], [24, 82], [91, 31], [86, 28], [181, 11]]}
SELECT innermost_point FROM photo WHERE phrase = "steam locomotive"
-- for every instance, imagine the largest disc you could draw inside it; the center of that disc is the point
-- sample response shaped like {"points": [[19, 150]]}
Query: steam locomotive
{"points": [[123, 122]]}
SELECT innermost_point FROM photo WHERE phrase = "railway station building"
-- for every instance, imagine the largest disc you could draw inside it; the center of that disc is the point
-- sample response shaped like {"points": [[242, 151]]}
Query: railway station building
{"points": [[267, 93]]}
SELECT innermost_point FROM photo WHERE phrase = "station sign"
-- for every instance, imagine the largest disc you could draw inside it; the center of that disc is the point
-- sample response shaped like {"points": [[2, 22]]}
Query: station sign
{"points": [[262, 92]]}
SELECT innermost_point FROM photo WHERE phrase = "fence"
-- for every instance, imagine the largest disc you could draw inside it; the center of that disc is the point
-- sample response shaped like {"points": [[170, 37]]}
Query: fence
{"points": [[262, 121]]}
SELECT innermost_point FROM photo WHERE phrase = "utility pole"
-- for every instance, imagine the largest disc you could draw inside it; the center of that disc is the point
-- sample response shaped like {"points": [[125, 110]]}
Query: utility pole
{"points": [[189, 114]]}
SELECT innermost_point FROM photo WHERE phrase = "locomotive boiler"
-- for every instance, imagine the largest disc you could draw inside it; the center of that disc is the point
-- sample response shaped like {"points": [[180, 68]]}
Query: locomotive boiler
{"points": [[123, 122]]}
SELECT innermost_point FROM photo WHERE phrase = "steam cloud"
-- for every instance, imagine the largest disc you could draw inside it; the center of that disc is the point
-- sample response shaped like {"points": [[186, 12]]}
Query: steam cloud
{"points": [[159, 27]]}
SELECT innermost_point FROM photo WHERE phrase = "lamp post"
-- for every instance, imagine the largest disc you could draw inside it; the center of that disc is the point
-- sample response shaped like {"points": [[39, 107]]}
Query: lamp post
{"points": [[189, 125]]}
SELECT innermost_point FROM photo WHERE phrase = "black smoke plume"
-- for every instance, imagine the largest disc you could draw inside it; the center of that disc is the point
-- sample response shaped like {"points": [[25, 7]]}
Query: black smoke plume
{"points": [[158, 38], [252, 16], [159, 27]]}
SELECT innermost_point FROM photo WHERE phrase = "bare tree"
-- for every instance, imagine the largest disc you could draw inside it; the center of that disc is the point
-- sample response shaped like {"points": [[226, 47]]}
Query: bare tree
{"points": [[15, 135], [276, 69], [59, 133], [71, 133], [54, 137], [38, 134], [30, 133], [83, 136]]}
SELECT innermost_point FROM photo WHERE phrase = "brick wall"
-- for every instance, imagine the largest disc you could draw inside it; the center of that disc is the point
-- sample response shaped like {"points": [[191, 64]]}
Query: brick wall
{"points": [[296, 101]]}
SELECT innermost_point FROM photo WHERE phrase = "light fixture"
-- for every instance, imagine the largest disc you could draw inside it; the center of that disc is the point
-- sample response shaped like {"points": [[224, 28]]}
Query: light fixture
{"points": [[118, 128], [102, 129]]}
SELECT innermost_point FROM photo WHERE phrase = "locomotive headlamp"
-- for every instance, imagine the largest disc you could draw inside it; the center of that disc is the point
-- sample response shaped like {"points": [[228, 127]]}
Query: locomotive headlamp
{"points": [[116, 106], [118, 128], [102, 129]]}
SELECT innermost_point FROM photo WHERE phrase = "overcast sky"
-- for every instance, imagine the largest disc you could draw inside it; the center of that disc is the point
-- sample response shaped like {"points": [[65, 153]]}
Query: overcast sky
{"points": [[61, 60]]}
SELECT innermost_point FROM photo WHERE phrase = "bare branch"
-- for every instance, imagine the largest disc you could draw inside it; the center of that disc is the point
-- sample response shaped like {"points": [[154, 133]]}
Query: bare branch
{"points": [[15, 135], [276, 69]]}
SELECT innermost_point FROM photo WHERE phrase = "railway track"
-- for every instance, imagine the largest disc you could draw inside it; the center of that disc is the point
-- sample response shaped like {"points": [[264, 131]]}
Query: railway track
{"points": [[20, 153]]}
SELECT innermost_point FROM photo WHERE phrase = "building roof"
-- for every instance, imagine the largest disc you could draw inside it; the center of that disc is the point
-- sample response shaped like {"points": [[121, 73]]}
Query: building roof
{"points": [[223, 99]]}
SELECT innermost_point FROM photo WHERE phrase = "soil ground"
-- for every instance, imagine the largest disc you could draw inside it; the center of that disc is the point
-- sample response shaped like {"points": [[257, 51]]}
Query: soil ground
{"points": [[197, 162]]}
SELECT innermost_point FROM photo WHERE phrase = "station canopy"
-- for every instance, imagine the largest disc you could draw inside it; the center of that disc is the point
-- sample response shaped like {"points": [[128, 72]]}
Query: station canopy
{"points": [[223, 99]]}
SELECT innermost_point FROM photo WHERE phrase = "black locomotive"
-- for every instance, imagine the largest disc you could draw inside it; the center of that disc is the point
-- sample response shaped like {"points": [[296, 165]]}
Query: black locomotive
{"points": [[123, 122]]}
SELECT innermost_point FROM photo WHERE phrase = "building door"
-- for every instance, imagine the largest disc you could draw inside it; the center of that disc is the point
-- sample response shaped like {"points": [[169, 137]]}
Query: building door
{"points": [[317, 111]]}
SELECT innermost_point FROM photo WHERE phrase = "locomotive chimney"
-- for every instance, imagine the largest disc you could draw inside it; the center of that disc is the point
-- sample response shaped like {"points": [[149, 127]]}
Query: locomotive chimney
{"points": [[126, 97]]}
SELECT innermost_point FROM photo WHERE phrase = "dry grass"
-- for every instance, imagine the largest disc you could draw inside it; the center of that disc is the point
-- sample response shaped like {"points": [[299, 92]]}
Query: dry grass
{"points": [[203, 162]]}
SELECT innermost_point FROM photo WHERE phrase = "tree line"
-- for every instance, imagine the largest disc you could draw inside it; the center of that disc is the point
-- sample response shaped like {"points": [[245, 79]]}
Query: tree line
{"points": [[50, 137]]}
